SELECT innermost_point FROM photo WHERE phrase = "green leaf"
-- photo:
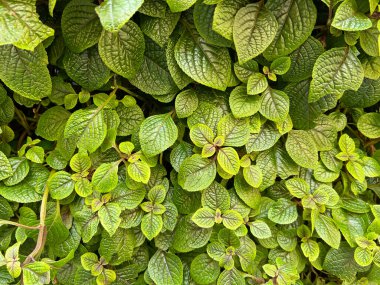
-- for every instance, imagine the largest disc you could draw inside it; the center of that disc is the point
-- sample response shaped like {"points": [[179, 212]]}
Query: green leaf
{"points": [[296, 20], [369, 125], [363, 256], [298, 187], [274, 105], [235, 131], [157, 133], [348, 18], [216, 197], [5, 167], [139, 171], [283, 212], [35, 154], [203, 20], [12, 260], [204, 218], [243, 105], [30, 189], [114, 14], [229, 160], [21, 25], [165, 268], [303, 60], [204, 270], [250, 196], [36, 273], [196, 173], [201, 135], [60, 185], [86, 68], [356, 170], [280, 65], [109, 216], [265, 139], [154, 77], [151, 225], [88, 260], [107, 276], [366, 96], [231, 277], [253, 175], [81, 27], [371, 167], [224, 15], [369, 40], [88, 223], [186, 103], [232, 219], [180, 5], [123, 51], [334, 72], [260, 229], [327, 230], [88, 127], [25, 72], [215, 69], [254, 29], [52, 123], [179, 153], [257, 83], [302, 149], [105, 177], [310, 249]]}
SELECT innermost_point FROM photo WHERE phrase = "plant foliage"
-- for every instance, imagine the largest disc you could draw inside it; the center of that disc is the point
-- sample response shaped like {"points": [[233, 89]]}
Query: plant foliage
{"points": [[224, 142]]}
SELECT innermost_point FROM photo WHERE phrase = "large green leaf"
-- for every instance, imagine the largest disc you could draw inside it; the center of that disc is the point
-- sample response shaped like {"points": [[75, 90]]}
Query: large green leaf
{"points": [[327, 230], [123, 51], [154, 77], [52, 123], [25, 72], [109, 217], [88, 127], [234, 131], [157, 133], [369, 125], [224, 15], [274, 105], [180, 5], [204, 270], [165, 268], [243, 105], [229, 160], [105, 177], [296, 20], [5, 167], [367, 95], [302, 149], [81, 27], [20, 24], [60, 185], [283, 212], [87, 68], [334, 72], [348, 18], [36, 273], [254, 29], [205, 63], [196, 173], [114, 14]]}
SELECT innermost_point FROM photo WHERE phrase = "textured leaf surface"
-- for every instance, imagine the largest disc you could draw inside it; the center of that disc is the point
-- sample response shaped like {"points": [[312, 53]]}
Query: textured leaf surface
{"points": [[369, 125], [274, 105], [114, 14], [157, 133], [327, 230], [165, 268], [123, 51], [348, 18], [302, 149], [254, 29], [296, 19], [334, 72], [25, 72]]}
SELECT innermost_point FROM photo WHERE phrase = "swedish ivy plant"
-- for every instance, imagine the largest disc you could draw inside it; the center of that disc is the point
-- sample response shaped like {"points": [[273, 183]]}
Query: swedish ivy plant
{"points": [[195, 142]]}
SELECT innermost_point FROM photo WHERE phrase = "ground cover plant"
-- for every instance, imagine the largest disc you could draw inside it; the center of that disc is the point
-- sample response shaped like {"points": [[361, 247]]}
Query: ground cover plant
{"points": [[178, 142]]}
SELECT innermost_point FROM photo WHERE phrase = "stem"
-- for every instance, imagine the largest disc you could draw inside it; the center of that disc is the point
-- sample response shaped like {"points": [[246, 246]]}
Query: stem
{"points": [[372, 142], [329, 19], [4, 222], [133, 94], [23, 121], [41, 239]]}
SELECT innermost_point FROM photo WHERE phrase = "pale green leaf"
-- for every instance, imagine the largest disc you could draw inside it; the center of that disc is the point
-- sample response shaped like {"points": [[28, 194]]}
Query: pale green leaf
{"points": [[243, 105], [274, 105], [201, 135], [114, 14], [105, 177], [253, 175], [157, 133], [139, 171], [298, 187], [165, 268], [232, 219], [283, 212], [196, 173], [186, 103], [348, 18], [301, 148], [327, 230], [36, 273], [5, 167], [204, 218], [229, 160], [109, 216], [235, 131], [334, 72], [88, 127], [310, 249], [180, 5], [257, 83], [254, 29], [204, 270], [260, 229], [369, 125], [60, 185]]}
